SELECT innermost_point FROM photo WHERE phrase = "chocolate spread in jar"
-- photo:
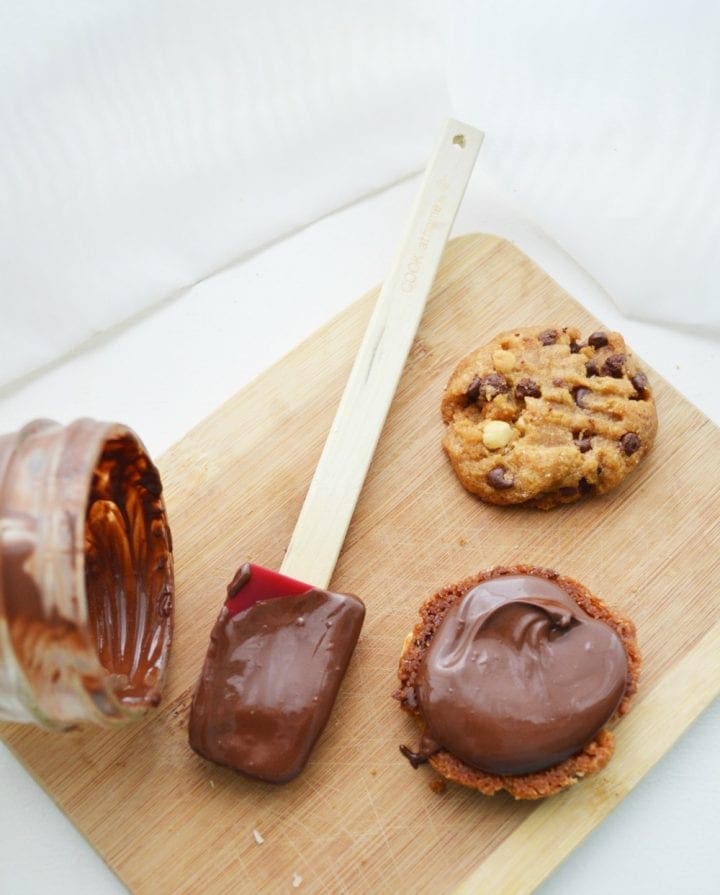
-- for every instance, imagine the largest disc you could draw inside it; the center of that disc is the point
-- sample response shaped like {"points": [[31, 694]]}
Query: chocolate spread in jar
{"points": [[517, 677], [270, 679], [86, 576], [127, 572]]}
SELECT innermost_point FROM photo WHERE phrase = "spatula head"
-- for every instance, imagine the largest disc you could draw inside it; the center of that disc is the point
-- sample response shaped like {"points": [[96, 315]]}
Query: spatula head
{"points": [[253, 583], [277, 656]]}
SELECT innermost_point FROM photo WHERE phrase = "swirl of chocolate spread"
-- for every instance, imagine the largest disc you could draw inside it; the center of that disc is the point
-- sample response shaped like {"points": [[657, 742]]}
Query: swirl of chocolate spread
{"points": [[270, 678], [518, 677]]}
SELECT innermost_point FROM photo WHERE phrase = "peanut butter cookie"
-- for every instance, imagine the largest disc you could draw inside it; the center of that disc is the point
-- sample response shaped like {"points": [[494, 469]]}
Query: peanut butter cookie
{"points": [[540, 417]]}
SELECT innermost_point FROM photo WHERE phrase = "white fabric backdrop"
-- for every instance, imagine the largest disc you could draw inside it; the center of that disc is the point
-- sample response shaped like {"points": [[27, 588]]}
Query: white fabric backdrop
{"points": [[146, 145], [603, 122]]}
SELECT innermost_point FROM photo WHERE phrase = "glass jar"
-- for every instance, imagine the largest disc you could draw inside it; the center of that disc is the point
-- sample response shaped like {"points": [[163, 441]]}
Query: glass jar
{"points": [[86, 575]]}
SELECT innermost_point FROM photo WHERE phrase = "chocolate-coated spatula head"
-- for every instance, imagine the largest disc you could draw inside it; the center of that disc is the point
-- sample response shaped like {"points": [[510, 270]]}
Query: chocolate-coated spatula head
{"points": [[252, 583], [283, 629], [271, 674]]}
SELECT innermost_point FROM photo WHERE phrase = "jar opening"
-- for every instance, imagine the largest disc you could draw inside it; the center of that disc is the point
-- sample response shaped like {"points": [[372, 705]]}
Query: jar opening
{"points": [[128, 573]]}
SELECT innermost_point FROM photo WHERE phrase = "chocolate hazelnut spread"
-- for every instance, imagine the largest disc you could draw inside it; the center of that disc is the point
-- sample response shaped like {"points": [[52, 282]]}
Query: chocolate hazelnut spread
{"points": [[86, 579], [270, 679], [518, 677], [127, 554]]}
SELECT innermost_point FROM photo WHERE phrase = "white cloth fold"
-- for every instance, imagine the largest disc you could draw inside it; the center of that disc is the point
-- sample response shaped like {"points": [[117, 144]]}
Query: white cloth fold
{"points": [[603, 123], [146, 145]]}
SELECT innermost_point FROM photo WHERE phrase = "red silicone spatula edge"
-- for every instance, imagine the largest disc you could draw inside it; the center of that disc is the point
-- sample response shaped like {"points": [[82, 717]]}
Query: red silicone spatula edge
{"points": [[253, 583]]}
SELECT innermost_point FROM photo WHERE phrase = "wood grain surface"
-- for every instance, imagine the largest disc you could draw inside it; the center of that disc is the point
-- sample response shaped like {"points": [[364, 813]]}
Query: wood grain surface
{"points": [[360, 819]]}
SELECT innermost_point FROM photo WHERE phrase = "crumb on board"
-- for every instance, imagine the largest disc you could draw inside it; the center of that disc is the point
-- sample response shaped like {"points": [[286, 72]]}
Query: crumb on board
{"points": [[438, 785], [296, 880], [258, 837], [212, 784], [462, 541], [373, 771]]}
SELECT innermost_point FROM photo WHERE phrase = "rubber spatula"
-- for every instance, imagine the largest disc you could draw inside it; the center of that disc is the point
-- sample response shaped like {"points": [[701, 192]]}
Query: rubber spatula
{"points": [[338, 479], [330, 501]]}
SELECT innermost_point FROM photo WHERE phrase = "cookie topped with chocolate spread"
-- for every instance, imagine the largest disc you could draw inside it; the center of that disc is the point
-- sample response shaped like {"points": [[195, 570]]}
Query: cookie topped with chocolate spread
{"points": [[512, 676], [542, 416]]}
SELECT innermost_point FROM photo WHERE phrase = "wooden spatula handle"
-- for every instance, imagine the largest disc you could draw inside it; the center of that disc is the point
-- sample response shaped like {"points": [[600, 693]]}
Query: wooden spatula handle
{"points": [[340, 473]]}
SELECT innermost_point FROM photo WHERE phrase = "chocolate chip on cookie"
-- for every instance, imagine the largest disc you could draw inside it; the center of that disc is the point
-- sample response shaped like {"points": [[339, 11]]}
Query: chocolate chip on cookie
{"points": [[548, 337], [614, 366], [598, 340], [538, 416], [582, 440], [526, 388], [580, 395], [500, 478], [630, 443], [640, 384], [473, 390]]}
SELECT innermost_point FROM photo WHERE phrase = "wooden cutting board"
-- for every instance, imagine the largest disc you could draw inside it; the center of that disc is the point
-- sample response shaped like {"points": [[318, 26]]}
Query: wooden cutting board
{"points": [[360, 819]]}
